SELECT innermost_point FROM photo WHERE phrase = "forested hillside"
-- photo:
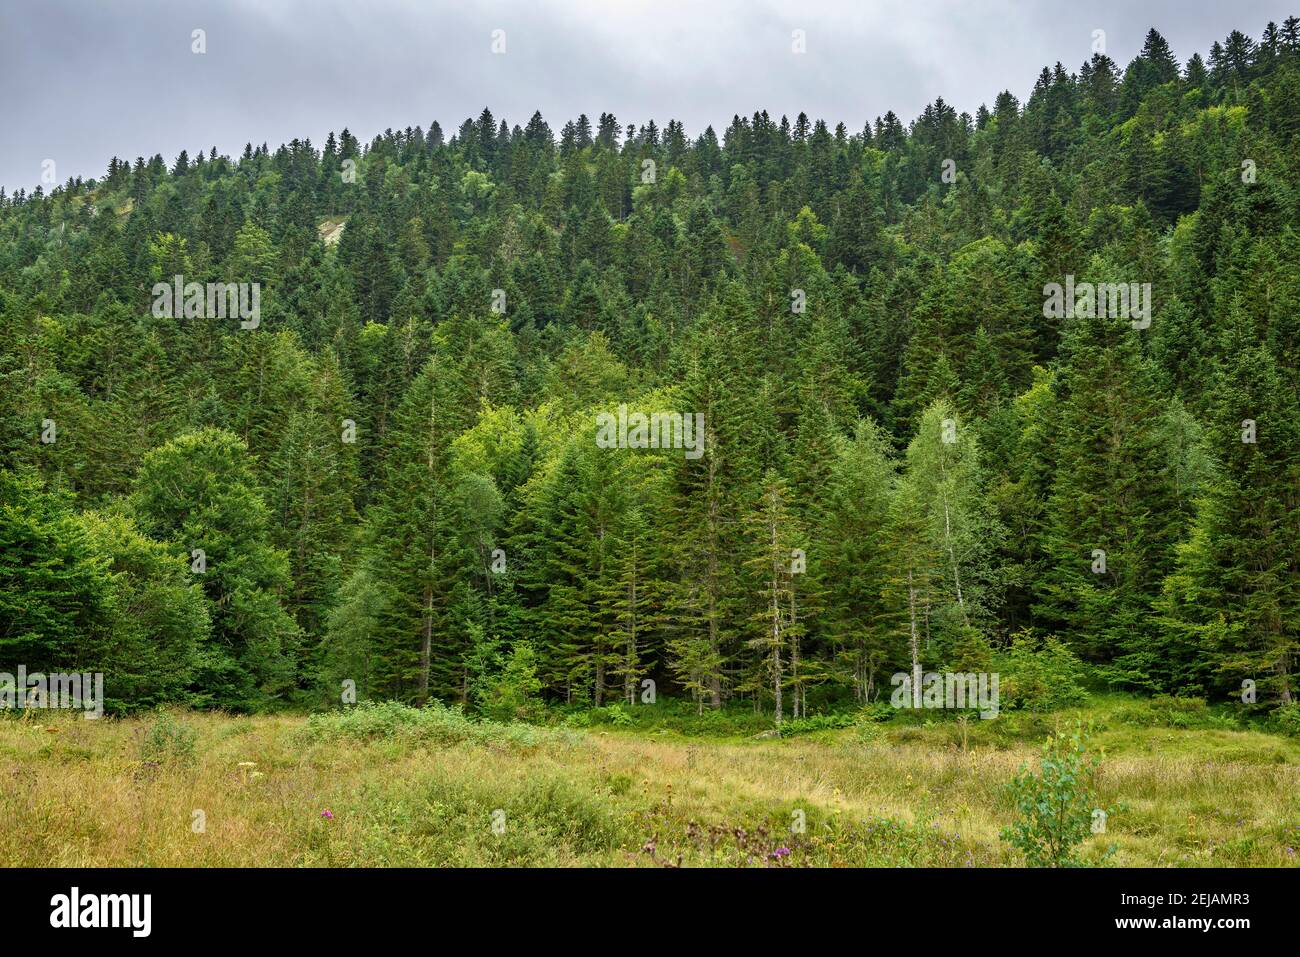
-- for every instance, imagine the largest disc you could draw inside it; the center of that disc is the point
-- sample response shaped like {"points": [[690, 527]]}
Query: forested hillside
{"points": [[392, 476]]}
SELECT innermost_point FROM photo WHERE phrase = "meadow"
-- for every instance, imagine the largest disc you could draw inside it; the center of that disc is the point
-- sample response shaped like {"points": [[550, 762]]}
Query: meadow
{"points": [[387, 785]]}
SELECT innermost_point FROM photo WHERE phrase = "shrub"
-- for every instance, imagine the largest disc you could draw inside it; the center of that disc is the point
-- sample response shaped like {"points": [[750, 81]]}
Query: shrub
{"points": [[615, 714], [1039, 675], [435, 723], [670, 715], [866, 730], [168, 742], [818, 722], [513, 693], [1055, 805], [1175, 712], [1287, 719], [880, 710], [970, 651]]}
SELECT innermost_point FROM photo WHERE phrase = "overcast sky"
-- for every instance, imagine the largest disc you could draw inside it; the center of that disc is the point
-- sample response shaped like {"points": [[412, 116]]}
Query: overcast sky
{"points": [[84, 80]]}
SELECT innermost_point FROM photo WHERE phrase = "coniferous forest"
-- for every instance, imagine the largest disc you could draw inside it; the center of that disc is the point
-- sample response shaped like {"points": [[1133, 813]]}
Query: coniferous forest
{"points": [[391, 477]]}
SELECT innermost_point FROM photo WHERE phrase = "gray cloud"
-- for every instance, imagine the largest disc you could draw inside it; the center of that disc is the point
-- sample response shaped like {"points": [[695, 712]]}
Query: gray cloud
{"points": [[88, 80]]}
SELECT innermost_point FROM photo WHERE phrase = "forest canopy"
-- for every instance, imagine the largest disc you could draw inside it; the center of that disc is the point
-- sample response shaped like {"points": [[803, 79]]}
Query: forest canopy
{"points": [[367, 449]]}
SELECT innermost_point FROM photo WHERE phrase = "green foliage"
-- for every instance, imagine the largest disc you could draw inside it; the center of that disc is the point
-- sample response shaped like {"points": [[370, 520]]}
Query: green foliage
{"points": [[197, 493], [158, 621], [434, 724], [168, 742], [1056, 805], [905, 456], [55, 591], [860, 618], [673, 716], [616, 715], [1112, 516], [512, 693], [818, 722], [1039, 674], [1287, 719], [347, 653], [1182, 712]]}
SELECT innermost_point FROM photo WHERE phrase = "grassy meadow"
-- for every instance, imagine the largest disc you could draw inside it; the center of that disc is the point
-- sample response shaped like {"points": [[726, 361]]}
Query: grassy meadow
{"points": [[650, 786]]}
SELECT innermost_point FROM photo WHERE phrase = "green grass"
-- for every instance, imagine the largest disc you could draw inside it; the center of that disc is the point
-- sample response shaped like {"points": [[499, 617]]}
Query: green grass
{"points": [[653, 785]]}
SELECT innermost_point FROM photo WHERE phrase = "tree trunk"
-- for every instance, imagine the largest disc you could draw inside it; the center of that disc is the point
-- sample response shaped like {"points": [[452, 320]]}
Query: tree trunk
{"points": [[915, 642], [426, 645], [952, 558], [629, 676], [776, 626], [947, 539], [796, 694], [600, 625], [715, 680]]}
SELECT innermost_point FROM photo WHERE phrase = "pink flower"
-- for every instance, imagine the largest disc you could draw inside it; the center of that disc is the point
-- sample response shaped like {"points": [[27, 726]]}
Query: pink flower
{"points": [[327, 814]]}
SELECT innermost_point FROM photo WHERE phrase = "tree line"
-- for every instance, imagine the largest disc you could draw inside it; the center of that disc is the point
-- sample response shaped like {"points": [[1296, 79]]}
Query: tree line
{"points": [[394, 479]]}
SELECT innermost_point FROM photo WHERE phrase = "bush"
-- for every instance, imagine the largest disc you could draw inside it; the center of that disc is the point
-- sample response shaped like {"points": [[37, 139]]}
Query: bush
{"points": [[818, 722], [514, 693], [671, 715], [866, 730], [168, 742], [1056, 805], [880, 710], [435, 723], [1287, 719], [1039, 675], [615, 714], [970, 652], [1173, 712]]}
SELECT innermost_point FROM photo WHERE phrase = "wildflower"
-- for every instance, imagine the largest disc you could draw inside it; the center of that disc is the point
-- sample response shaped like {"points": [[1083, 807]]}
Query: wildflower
{"points": [[327, 814]]}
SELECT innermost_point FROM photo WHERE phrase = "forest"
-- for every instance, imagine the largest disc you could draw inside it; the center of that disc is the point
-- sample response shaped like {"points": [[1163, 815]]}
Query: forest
{"points": [[751, 417]]}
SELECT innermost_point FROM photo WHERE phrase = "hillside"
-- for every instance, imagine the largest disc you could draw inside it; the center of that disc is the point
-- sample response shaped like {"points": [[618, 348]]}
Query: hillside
{"points": [[1009, 393]]}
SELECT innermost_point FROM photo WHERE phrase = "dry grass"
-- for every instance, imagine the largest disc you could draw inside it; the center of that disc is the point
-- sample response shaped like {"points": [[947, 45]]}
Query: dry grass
{"points": [[81, 793]]}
